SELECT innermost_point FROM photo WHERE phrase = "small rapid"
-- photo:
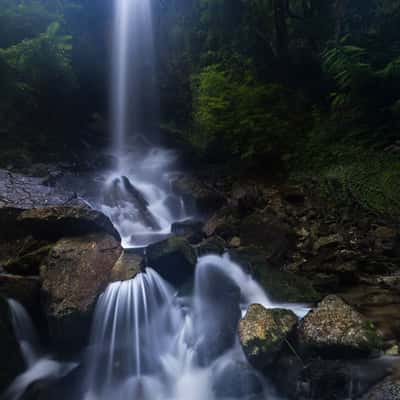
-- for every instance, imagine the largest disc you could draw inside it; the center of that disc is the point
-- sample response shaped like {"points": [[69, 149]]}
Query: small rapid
{"points": [[150, 342], [39, 366]]}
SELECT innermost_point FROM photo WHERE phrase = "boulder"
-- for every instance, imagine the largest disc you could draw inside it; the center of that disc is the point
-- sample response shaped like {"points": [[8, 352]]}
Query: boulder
{"points": [[206, 198], [12, 361], [224, 226], [24, 289], [127, 267], [211, 245], [76, 271], [60, 221], [335, 329], [122, 191], [189, 229], [263, 333], [174, 259]]}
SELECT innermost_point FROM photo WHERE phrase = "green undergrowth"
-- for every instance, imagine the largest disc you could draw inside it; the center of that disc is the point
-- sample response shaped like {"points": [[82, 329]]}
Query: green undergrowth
{"points": [[349, 172]]}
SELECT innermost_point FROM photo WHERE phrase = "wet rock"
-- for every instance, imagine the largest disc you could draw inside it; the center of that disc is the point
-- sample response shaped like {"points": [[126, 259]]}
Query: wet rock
{"points": [[207, 199], [24, 289], [281, 285], [389, 389], [275, 237], [122, 191], [327, 241], [224, 226], [263, 333], [235, 242], [76, 271], [188, 229], [212, 245], [174, 259], [335, 329], [58, 221], [20, 191], [237, 381], [127, 267], [12, 361], [219, 296]]}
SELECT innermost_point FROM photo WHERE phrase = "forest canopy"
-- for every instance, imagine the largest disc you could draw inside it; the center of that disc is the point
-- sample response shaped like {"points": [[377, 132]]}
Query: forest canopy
{"points": [[313, 83]]}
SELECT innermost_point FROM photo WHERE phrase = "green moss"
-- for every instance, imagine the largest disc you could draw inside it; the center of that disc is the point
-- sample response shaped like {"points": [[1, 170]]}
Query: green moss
{"points": [[349, 172], [375, 340]]}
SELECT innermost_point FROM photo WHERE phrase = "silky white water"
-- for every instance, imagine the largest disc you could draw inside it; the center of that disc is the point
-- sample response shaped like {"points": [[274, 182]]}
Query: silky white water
{"points": [[148, 342], [39, 366], [137, 194]]}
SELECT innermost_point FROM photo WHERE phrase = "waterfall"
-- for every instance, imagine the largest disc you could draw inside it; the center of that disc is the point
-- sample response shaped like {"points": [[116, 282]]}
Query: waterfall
{"points": [[150, 343], [137, 194], [133, 85], [39, 366]]}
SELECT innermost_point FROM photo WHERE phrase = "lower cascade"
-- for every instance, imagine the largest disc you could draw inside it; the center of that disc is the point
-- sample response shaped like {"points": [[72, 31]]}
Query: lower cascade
{"points": [[150, 342]]}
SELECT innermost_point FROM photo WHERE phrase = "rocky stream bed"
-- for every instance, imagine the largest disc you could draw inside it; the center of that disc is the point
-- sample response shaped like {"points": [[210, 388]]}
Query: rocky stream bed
{"points": [[57, 255]]}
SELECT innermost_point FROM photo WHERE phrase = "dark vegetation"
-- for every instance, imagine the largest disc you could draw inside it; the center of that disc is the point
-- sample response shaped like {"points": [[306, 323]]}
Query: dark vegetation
{"points": [[312, 85]]}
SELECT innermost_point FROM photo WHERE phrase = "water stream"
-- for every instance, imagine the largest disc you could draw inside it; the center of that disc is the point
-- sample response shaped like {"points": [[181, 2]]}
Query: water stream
{"points": [[148, 341]]}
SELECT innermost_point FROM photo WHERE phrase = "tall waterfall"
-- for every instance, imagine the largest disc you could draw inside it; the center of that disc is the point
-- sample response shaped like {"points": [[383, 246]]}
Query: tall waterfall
{"points": [[137, 194], [133, 100]]}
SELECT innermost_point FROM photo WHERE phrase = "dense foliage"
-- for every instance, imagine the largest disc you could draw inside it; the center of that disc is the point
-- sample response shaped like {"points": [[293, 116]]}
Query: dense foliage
{"points": [[312, 82]]}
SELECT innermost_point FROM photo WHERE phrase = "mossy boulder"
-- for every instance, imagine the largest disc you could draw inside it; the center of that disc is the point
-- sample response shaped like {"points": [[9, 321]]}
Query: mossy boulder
{"points": [[335, 329], [76, 271], [12, 361], [174, 259], [263, 333]]}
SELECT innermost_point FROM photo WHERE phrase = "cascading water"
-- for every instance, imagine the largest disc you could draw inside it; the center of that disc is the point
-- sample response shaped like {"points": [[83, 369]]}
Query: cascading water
{"points": [[39, 366], [137, 194], [149, 343]]}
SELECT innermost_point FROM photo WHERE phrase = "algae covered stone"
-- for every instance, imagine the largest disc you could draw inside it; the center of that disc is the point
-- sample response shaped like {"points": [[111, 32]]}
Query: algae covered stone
{"points": [[335, 328], [262, 333]]}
